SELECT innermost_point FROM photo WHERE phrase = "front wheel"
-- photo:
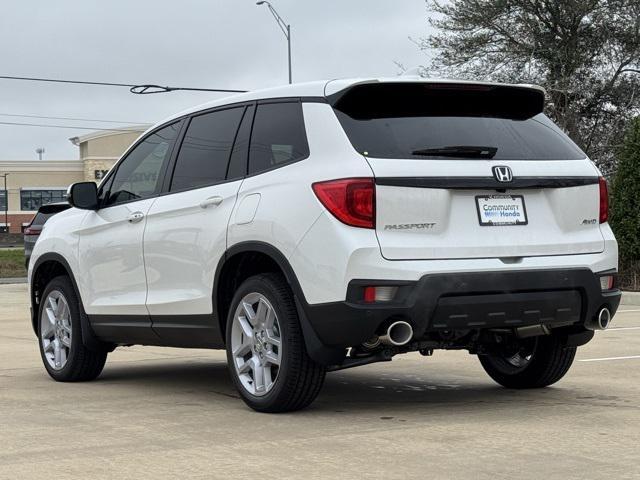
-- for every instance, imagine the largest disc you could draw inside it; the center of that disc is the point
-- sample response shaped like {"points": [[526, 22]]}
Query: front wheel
{"points": [[533, 363], [64, 356], [266, 353]]}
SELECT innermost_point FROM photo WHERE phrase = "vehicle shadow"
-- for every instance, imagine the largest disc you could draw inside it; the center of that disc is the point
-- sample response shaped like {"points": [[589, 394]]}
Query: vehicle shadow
{"points": [[358, 390]]}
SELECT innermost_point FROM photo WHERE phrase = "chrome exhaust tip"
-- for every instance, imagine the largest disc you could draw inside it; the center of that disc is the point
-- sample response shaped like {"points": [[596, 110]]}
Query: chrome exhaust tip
{"points": [[601, 321], [398, 333], [604, 318]]}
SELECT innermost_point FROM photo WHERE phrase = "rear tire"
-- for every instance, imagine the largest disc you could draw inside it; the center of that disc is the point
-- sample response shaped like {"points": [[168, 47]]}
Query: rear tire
{"points": [[266, 353], [63, 353], [541, 362]]}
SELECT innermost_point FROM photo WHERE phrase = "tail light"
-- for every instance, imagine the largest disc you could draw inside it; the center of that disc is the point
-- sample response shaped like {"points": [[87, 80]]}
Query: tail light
{"points": [[350, 200], [32, 231], [604, 200]]}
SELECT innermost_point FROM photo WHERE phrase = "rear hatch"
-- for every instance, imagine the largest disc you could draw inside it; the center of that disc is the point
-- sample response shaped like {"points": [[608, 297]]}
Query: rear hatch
{"points": [[471, 171]]}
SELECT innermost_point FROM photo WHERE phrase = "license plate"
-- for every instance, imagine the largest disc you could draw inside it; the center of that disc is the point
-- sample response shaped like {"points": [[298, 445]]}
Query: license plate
{"points": [[499, 210]]}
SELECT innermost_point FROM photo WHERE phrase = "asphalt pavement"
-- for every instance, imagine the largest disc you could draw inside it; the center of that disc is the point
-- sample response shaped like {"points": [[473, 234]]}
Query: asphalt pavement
{"points": [[173, 413]]}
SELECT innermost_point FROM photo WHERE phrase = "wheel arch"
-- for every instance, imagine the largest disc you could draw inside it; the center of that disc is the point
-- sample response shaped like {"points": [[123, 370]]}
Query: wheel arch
{"points": [[46, 268], [235, 267]]}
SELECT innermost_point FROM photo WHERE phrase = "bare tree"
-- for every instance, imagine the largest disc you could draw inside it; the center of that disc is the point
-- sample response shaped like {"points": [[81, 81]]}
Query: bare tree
{"points": [[586, 53]]}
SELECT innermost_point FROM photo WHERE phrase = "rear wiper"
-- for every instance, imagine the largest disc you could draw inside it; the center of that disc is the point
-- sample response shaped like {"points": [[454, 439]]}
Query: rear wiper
{"points": [[458, 151]]}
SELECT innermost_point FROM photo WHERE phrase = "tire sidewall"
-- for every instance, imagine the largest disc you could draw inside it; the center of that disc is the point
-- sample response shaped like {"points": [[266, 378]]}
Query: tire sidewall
{"points": [[551, 360], [263, 286], [64, 286]]}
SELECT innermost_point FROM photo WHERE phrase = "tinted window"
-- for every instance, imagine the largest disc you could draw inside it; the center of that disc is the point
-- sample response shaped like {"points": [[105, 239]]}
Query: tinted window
{"points": [[138, 176], [425, 122], [206, 148], [240, 153], [278, 136]]}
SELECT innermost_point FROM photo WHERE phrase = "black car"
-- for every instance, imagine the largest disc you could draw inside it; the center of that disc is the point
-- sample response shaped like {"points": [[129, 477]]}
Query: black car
{"points": [[32, 231]]}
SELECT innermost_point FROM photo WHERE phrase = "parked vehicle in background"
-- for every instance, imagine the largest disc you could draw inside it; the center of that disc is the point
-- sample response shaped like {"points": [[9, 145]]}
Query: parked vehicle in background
{"points": [[33, 230], [328, 225]]}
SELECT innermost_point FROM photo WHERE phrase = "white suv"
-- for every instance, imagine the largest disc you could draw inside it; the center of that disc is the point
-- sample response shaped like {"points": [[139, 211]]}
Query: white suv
{"points": [[327, 225]]}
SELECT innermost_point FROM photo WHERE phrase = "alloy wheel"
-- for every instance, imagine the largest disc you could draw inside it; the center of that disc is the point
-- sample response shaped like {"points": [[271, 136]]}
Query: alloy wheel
{"points": [[56, 330], [256, 344]]}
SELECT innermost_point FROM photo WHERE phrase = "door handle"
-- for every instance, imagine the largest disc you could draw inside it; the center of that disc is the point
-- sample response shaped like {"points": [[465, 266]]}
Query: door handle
{"points": [[135, 217], [211, 202]]}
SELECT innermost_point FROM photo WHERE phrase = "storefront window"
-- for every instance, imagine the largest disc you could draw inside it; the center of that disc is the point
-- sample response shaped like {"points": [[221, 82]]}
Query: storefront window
{"points": [[32, 200]]}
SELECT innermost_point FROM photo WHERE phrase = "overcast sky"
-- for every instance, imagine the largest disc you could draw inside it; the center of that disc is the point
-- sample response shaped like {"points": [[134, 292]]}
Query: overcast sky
{"points": [[195, 43]]}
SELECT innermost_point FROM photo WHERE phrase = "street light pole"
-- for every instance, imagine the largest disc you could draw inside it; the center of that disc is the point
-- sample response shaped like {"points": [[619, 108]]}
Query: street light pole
{"points": [[284, 26], [6, 204]]}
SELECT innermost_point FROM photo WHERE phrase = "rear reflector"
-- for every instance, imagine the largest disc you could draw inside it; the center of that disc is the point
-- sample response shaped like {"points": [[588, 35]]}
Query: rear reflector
{"points": [[379, 294], [604, 200], [32, 231], [350, 200]]}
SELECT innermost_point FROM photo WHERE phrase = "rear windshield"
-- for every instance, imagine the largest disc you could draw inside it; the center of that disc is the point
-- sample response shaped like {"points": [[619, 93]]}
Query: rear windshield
{"points": [[41, 218], [432, 124]]}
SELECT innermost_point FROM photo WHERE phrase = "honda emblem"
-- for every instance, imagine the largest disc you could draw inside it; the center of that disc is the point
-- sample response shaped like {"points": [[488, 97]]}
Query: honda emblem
{"points": [[502, 173]]}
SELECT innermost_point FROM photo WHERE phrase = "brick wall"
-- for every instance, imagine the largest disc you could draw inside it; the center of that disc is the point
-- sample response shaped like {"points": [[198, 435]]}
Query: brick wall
{"points": [[16, 221]]}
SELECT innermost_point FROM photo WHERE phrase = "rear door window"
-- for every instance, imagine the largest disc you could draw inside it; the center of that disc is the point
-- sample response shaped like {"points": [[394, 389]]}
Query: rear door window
{"points": [[278, 136], [205, 151]]}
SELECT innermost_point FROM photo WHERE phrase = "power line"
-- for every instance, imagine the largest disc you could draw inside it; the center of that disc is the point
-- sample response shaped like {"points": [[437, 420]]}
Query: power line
{"points": [[73, 127], [73, 118], [143, 89]]}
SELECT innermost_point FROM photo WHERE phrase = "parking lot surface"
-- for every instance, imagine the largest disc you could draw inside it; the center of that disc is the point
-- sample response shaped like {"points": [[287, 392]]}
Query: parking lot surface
{"points": [[162, 413]]}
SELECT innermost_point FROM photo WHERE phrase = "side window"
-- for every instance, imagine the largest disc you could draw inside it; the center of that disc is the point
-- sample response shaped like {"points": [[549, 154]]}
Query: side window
{"points": [[206, 148], [278, 136], [138, 175], [240, 153]]}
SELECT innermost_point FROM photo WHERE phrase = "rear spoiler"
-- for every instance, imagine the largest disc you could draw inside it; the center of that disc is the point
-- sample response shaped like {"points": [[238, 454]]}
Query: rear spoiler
{"points": [[54, 207], [392, 99]]}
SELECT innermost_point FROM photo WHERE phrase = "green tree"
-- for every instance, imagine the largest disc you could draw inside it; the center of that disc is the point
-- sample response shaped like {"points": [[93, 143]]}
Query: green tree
{"points": [[625, 199], [586, 53]]}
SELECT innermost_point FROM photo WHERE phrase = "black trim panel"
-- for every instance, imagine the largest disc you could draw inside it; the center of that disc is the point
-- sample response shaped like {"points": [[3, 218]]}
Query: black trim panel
{"points": [[185, 331], [124, 329], [468, 301], [188, 331], [486, 183]]}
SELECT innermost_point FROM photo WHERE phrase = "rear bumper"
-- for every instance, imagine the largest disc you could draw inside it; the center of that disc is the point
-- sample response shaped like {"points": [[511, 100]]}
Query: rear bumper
{"points": [[479, 300]]}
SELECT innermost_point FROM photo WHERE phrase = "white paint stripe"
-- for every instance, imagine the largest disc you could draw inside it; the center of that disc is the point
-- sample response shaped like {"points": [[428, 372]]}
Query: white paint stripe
{"points": [[629, 311], [609, 358], [610, 329]]}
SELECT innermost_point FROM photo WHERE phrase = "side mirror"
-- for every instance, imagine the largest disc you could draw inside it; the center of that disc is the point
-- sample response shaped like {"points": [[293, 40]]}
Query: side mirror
{"points": [[83, 195]]}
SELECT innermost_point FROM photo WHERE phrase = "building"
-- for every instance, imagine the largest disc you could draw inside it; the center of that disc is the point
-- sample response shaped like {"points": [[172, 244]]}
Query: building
{"points": [[30, 184]]}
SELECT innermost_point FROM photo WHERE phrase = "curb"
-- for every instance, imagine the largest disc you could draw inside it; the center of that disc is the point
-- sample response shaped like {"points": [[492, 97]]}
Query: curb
{"points": [[8, 281], [630, 298]]}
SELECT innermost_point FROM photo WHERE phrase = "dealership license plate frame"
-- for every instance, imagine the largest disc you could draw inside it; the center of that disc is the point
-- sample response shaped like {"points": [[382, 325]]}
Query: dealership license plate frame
{"points": [[491, 223]]}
